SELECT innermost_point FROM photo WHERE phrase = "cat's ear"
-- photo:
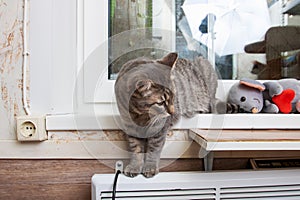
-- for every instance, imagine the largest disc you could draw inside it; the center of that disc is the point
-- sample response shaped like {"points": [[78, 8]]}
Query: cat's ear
{"points": [[169, 59], [142, 86]]}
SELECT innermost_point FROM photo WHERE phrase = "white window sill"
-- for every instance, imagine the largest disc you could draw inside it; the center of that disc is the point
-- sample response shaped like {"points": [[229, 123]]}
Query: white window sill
{"points": [[202, 121]]}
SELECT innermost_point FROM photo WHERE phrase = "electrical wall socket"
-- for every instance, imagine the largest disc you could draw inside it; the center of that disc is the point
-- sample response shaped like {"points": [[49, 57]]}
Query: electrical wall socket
{"points": [[31, 128]]}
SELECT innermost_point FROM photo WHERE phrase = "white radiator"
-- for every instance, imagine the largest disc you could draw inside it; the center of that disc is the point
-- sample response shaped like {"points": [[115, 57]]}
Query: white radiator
{"points": [[244, 185]]}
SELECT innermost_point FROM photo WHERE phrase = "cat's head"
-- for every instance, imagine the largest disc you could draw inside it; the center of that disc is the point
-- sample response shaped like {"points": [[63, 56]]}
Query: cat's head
{"points": [[153, 97]]}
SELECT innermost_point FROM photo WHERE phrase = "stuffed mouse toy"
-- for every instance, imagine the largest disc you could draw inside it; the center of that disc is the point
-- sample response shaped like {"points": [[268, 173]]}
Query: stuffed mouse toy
{"points": [[248, 95], [269, 97]]}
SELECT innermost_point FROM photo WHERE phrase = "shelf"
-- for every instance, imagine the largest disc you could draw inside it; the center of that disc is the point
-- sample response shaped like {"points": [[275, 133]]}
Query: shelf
{"points": [[243, 140], [292, 7]]}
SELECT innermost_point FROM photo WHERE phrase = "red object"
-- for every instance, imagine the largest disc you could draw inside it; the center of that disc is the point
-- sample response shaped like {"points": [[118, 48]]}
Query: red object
{"points": [[284, 100]]}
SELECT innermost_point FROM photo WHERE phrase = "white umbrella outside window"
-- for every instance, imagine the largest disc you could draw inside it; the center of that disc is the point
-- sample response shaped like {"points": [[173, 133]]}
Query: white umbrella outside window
{"points": [[236, 23]]}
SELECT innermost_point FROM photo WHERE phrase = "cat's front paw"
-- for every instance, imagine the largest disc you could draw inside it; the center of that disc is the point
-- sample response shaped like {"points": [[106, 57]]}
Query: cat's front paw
{"points": [[150, 170], [132, 170]]}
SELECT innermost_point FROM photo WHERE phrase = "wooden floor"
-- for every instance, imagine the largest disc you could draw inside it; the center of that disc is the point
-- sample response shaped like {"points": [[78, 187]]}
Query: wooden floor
{"points": [[71, 179]]}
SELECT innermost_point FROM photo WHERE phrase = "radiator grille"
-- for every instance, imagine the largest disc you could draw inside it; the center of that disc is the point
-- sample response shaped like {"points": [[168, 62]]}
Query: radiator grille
{"points": [[247, 185], [205, 194], [271, 192]]}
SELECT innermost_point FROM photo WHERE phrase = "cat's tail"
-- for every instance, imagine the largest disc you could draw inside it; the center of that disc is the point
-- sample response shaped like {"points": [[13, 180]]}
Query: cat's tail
{"points": [[226, 108]]}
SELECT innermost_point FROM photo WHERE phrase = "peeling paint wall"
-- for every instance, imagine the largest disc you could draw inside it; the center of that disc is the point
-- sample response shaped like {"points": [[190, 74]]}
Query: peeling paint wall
{"points": [[11, 49], [109, 135]]}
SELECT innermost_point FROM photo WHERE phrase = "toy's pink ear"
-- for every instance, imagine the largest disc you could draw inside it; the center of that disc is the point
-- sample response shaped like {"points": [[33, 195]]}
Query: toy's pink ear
{"points": [[252, 83], [284, 100]]}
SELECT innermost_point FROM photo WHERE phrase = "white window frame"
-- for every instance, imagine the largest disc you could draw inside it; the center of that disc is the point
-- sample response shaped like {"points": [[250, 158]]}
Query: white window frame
{"points": [[94, 29], [69, 106]]}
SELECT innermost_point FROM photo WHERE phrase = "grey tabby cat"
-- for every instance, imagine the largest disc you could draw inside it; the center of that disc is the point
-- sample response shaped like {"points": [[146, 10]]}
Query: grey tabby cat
{"points": [[151, 95]]}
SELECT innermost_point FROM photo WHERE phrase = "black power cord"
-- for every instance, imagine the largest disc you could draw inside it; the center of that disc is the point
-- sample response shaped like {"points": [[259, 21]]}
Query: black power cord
{"points": [[115, 184]]}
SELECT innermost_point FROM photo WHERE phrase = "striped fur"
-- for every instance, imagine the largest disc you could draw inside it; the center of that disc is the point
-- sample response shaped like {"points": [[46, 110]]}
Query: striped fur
{"points": [[232, 108], [195, 86]]}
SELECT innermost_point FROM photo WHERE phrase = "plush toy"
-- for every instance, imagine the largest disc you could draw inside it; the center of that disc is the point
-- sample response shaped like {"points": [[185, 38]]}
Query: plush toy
{"points": [[270, 97], [248, 95]]}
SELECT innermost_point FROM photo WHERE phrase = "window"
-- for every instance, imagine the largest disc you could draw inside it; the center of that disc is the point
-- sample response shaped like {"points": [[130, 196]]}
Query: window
{"points": [[122, 29], [83, 30]]}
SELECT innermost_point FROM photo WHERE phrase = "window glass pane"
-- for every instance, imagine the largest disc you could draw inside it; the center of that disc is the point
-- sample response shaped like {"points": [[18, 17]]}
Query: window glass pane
{"points": [[152, 28], [189, 48], [135, 31]]}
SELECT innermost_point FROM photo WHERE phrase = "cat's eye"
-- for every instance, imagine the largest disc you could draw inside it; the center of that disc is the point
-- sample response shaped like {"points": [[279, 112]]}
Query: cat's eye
{"points": [[160, 103], [166, 96], [243, 99]]}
